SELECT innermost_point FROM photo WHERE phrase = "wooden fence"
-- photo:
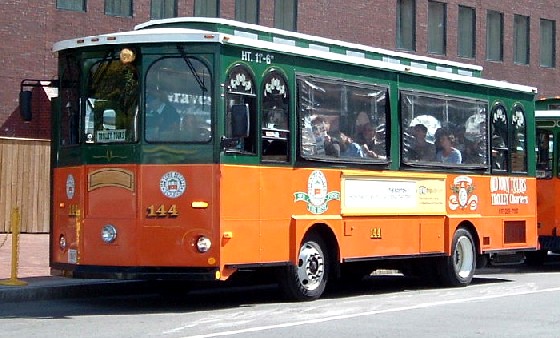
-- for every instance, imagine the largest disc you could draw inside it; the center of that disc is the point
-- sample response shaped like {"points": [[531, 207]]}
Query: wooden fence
{"points": [[25, 184]]}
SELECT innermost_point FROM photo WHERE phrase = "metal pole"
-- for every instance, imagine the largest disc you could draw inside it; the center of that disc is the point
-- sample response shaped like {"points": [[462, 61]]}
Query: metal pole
{"points": [[13, 281]]}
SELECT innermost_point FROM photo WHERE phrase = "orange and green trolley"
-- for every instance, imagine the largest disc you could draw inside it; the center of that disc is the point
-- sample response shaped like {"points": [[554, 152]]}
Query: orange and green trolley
{"points": [[190, 149]]}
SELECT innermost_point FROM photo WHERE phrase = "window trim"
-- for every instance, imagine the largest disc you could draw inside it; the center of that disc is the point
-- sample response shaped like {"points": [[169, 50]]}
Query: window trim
{"points": [[462, 33], [491, 30], [59, 5], [120, 2]]}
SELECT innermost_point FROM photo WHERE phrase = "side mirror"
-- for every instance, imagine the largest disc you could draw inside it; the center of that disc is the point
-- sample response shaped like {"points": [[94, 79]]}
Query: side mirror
{"points": [[25, 98], [240, 120]]}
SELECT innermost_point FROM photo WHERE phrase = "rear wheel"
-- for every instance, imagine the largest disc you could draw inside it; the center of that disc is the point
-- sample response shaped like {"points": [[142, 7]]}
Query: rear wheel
{"points": [[307, 280], [458, 269], [536, 258]]}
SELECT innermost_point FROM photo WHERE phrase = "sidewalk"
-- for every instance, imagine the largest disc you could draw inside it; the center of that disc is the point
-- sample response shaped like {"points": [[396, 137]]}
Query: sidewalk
{"points": [[33, 269], [33, 255]]}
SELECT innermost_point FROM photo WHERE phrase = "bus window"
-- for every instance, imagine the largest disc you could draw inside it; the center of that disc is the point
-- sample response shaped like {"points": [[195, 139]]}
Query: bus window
{"points": [[113, 87], [240, 90], [519, 149], [545, 141], [500, 140], [177, 105], [440, 130], [342, 120], [275, 118]]}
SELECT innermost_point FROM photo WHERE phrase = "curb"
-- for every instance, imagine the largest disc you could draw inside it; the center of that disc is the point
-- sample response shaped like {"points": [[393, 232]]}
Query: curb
{"points": [[60, 288]]}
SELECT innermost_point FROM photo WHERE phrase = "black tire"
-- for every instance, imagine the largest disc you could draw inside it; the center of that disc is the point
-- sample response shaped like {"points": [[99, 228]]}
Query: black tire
{"points": [[308, 280], [423, 269], [536, 258], [458, 269]]}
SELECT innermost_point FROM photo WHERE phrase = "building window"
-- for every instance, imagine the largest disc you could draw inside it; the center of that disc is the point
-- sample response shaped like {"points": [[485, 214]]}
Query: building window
{"points": [[71, 5], [207, 8], [247, 11], [118, 7], [548, 43], [466, 32], [521, 39], [494, 36], [437, 27], [162, 9], [406, 24], [285, 14]]}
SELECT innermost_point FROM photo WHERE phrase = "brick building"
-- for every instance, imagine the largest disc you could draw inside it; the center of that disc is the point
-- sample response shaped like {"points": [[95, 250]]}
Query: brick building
{"points": [[513, 41]]}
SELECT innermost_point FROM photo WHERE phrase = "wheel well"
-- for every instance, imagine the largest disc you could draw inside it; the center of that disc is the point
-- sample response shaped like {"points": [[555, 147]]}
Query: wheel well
{"points": [[471, 228], [333, 249]]}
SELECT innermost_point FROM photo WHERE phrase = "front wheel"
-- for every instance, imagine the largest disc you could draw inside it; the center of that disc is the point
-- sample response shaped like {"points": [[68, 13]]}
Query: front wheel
{"points": [[458, 269], [307, 280]]}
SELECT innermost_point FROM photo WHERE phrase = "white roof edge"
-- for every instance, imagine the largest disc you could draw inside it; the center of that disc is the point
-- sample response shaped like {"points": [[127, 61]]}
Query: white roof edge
{"points": [[309, 37], [159, 35], [154, 35], [238, 40]]}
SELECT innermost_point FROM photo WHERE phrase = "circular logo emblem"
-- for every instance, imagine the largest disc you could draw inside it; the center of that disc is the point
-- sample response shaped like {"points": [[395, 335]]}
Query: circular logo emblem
{"points": [[70, 187], [317, 187], [172, 184]]}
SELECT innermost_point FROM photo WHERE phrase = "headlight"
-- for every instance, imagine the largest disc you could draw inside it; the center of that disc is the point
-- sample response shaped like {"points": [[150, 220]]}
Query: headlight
{"points": [[203, 244], [62, 242], [108, 233]]}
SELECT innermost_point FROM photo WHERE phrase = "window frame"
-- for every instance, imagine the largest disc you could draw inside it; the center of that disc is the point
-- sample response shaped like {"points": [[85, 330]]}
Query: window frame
{"points": [[285, 14], [118, 6], [240, 88], [275, 137], [206, 8], [447, 123], [466, 35], [500, 139], [247, 11], [154, 81], [68, 5], [406, 25], [437, 27], [518, 130], [550, 52], [494, 36], [163, 6], [521, 39], [320, 132]]}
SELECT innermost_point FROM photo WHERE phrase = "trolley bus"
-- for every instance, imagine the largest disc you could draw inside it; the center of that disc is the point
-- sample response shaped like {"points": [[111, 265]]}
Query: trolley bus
{"points": [[195, 148], [548, 214]]}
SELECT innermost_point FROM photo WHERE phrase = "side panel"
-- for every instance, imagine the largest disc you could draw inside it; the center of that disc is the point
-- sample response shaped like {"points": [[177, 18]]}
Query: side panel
{"points": [[370, 214]]}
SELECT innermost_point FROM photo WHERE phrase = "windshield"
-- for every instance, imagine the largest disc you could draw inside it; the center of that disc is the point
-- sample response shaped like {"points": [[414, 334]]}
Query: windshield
{"points": [[112, 103], [177, 104]]}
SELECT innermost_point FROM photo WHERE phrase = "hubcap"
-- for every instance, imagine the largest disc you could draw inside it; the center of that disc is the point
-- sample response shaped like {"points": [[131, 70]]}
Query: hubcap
{"points": [[310, 268], [464, 257]]}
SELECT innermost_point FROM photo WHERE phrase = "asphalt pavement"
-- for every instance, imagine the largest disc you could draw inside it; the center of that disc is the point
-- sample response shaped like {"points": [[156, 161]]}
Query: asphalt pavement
{"points": [[31, 279]]}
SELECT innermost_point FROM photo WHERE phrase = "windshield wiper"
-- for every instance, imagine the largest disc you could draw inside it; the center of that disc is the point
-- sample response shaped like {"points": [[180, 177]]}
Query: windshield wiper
{"points": [[191, 67]]}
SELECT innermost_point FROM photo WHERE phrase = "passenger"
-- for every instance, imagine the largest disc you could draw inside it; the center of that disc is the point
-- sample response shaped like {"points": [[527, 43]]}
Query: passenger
{"points": [[422, 150], [349, 148], [324, 144], [320, 129], [448, 154], [163, 118], [371, 145]]}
